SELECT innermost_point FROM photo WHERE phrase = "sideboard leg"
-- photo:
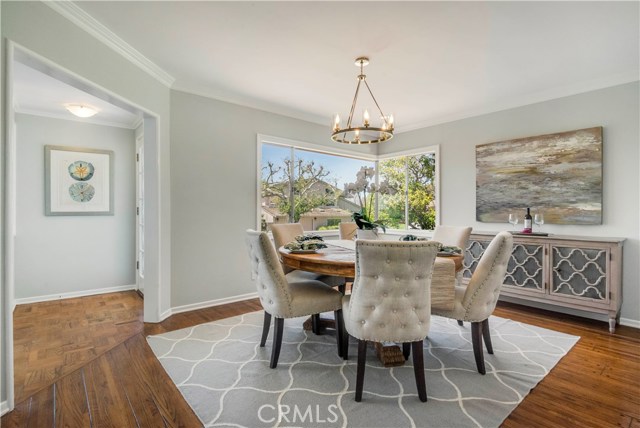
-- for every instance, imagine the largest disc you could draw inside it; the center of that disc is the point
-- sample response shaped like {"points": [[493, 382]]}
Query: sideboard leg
{"points": [[612, 325]]}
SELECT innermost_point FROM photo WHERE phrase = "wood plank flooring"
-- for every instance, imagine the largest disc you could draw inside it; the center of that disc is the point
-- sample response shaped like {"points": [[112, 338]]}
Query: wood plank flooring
{"points": [[97, 370]]}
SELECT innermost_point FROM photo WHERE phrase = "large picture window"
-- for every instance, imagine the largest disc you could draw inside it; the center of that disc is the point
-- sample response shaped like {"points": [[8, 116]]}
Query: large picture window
{"points": [[320, 189]]}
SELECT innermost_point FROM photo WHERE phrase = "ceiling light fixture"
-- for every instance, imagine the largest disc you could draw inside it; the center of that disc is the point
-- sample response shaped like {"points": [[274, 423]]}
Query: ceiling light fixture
{"points": [[81, 110], [364, 134]]}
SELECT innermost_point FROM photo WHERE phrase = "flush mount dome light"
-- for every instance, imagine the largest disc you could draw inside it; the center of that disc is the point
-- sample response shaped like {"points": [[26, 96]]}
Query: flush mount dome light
{"points": [[81, 110]]}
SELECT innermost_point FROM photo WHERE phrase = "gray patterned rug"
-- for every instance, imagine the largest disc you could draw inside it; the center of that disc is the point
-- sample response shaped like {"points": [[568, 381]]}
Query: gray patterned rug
{"points": [[225, 377]]}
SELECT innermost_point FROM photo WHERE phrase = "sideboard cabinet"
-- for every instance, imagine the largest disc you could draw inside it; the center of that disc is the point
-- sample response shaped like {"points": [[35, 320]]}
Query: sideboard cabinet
{"points": [[570, 271]]}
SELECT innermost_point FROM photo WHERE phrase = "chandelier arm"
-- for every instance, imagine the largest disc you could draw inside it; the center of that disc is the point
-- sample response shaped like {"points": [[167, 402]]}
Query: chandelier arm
{"points": [[376, 102], [353, 105]]}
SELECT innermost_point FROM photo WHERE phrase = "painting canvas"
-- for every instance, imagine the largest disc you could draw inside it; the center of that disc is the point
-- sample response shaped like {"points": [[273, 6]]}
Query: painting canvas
{"points": [[558, 175], [78, 181]]}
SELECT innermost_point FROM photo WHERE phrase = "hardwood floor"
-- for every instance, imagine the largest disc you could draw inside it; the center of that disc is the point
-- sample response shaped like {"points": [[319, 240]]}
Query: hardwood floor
{"points": [[85, 363], [53, 339]]}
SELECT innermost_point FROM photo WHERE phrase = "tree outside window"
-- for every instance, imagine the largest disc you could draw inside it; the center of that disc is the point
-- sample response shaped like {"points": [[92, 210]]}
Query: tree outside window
{"points": [[413, 177]]}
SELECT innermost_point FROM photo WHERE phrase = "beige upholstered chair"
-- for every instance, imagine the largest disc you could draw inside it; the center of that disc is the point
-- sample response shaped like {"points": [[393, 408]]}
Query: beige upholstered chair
{"points": [[478, 299], [285, 233], [452, 235], [287, 299], [348, 230], [390, 301]]}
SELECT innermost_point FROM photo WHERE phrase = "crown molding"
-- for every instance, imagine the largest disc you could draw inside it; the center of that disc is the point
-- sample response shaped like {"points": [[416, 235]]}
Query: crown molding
{"points": [[82, 19]]}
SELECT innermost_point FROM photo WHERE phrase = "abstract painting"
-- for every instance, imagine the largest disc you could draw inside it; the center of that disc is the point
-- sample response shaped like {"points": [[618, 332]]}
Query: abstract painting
{"points": [[78, 181], [558, 175]]}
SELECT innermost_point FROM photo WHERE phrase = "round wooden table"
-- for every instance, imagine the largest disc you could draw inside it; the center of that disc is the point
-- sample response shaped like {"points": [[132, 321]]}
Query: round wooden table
{"points": [[339, 259]]}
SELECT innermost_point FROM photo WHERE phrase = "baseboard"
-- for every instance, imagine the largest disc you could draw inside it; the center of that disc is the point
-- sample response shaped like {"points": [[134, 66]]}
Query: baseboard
{"points": [[211, 303], [4, 408], [629, 322], [166, 314], [570, 311], [72, 294]]}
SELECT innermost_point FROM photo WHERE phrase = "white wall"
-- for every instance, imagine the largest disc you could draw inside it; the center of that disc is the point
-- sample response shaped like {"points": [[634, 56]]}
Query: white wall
{"points": [[615, 108], [213, 191], [71, 254]]}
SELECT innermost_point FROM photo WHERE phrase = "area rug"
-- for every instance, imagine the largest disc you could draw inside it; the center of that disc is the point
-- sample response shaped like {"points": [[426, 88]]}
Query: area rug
{"points": [[225, 377]]}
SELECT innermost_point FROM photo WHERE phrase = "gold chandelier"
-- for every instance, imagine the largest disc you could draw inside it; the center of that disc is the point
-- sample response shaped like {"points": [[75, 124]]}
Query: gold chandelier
{"points": [[364, 134]]}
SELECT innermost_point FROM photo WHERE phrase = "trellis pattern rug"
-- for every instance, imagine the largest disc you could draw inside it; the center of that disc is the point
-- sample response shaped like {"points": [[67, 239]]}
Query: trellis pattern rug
{"points": [[225, 377]]}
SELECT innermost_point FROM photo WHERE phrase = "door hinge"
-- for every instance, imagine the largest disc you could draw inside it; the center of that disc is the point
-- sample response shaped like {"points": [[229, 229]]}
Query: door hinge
{"points": [[610, 256], [137, 265], [137, 210], [137, 157]]}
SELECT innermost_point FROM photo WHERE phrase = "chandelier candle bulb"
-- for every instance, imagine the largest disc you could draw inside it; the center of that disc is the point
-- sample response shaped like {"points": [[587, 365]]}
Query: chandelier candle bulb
{"points": [[365, 118], [336, 122]]}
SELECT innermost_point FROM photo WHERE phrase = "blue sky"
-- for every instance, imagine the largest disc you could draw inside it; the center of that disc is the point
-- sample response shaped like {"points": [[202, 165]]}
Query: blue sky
{"points": [[342, 169]]}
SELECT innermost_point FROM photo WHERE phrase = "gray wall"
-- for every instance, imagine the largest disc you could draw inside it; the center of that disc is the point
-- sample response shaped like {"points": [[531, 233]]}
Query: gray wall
{"points": [[213, 191], [615, 108], [64, 254], [38, 28]]}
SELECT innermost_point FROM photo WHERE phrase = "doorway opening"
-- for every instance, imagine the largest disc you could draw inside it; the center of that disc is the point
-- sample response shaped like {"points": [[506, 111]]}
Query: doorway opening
{"points": [[145, 144]]}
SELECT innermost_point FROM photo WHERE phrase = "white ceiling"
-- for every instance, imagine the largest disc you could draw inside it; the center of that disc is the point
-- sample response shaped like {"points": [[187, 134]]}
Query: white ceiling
{"points": [[36, 92], [431, 62]]}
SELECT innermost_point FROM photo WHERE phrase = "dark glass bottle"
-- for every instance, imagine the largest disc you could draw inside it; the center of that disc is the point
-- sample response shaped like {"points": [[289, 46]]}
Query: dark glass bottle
{"points": [[527, 220]]}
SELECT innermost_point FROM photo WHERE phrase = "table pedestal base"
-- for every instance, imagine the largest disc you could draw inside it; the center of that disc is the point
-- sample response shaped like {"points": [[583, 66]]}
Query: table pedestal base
{"points": [[389, 354]]}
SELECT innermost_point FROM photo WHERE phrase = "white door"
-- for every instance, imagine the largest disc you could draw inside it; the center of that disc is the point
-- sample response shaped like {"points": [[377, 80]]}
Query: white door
{"points": [[140, 213]]}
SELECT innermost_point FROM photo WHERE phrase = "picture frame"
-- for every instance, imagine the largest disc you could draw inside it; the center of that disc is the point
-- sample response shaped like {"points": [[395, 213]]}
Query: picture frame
{"points": [[558, 174], [78, 181]]}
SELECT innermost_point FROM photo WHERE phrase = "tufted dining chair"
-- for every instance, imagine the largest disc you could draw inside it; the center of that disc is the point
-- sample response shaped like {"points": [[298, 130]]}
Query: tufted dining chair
{"points": [[282, 298], [286, 232], [477, 301], [348, 230], [390, 301], [452, 236]]}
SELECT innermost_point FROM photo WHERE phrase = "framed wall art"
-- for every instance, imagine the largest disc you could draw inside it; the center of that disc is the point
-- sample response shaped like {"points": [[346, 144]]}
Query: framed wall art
{"points": [[78, 181], [559, 175]]}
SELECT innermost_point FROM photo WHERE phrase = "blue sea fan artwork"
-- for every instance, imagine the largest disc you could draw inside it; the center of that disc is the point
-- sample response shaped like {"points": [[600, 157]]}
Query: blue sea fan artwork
{"points": [[81, 192], [81, 170]]}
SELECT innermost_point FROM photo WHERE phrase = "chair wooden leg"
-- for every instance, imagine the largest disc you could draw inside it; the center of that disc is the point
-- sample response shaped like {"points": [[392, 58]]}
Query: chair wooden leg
{"points": [[486, 334], [418, 369], [345, 343], [277, 342], [265, 328], [460, 323], [362, 359], [339, 331], [476, 339], [406, 350], [315, 323]]}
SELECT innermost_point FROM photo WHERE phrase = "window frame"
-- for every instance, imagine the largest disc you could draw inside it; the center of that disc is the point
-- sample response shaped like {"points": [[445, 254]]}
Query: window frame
{"points": [[338, 151]]}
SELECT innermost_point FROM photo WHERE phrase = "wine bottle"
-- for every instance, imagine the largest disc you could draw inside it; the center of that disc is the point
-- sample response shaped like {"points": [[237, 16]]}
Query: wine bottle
{"points": [[527, 221]]}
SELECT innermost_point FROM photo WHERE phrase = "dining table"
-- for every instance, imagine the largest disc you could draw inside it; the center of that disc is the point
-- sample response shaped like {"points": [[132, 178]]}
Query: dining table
{"points": [[339, 259]]}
